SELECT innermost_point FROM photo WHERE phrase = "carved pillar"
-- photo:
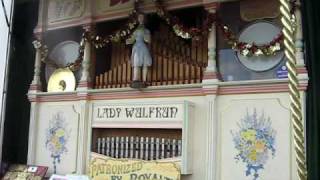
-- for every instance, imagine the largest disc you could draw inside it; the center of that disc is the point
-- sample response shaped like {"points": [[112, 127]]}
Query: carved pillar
{"points": [[85, 81], [211, 70], [212, 39], [83, 156], [299, 44], [299, 38], [41, 53], [212, 134], [210, 88], [42, 17]]}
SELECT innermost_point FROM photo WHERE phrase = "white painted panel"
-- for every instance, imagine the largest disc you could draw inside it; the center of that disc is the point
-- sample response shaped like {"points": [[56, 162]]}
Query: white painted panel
{"points": [[57, 138], [251, 129]]}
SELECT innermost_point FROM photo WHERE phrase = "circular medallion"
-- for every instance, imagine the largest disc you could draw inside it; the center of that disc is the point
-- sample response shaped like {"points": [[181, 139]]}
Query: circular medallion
{"points": [[63, 54], [260, 33], [62, 79]]}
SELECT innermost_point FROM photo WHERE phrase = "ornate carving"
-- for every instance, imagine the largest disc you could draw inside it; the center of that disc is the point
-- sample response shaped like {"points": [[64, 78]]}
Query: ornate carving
{"points": [[62, 9]]}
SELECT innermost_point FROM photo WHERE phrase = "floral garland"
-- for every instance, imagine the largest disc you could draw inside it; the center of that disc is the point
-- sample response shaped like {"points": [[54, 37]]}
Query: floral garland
{"points": [[252, 49], [37, 44], [97, 41], [124, 33], [245, 49], [119, 35], [180, 29], [44, 55]]}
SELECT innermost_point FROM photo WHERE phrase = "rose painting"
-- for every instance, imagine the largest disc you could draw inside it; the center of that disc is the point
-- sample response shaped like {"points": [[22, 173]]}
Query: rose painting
{"points": [[255, 142]]}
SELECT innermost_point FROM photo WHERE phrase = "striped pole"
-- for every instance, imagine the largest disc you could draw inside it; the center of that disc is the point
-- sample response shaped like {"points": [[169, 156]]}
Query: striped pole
{"points": [[288, 21]]}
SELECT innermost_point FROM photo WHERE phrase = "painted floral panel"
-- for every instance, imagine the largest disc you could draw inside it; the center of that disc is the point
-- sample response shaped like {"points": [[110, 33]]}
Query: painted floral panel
{"points": [[57, 136], [255, 142]]}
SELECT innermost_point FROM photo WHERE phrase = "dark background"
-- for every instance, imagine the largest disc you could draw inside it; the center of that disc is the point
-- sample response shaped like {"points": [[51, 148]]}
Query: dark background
{"points": [[15, 144], [21, 63]]}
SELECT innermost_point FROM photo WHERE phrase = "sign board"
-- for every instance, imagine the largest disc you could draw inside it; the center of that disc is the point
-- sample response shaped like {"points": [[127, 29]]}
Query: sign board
{"points": [[149, 114], [130, 112], [282, 72], [106, 168]]}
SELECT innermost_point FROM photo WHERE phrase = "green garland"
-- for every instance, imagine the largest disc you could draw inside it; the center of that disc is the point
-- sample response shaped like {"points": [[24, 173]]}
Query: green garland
{"points": [[245, 49]]}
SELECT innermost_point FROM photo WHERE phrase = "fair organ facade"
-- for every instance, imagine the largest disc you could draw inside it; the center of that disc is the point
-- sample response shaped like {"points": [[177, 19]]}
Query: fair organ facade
{"points": [[214, 98]]}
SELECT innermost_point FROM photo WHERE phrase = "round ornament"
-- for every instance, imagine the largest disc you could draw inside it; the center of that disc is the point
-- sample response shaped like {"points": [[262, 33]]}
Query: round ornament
{"points": [[64, 53], [61, 80], [260, 33]]}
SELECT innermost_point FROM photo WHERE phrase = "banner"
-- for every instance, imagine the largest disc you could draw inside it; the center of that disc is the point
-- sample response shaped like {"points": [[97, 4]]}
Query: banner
{"points": [[106, 168]]}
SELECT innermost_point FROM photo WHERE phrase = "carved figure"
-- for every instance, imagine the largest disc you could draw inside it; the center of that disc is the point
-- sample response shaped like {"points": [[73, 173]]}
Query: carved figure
{"points": [[140, 56]]}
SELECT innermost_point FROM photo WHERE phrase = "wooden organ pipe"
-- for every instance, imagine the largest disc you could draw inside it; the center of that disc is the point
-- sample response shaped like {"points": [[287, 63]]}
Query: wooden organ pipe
{"points": [[175, 61]]}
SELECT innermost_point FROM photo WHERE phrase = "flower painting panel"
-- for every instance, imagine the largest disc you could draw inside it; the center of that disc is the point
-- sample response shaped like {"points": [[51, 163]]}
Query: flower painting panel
{"points": [[57, 140], [255, 140], [57, 137]]}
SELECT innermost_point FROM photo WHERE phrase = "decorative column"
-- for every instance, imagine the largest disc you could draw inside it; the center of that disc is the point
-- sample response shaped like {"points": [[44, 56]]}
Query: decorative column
{"points": [[85, 81], [299, 37], [299, 44], [83, 157], [84, 149], [210, 88], [212, 135], [211, 70], [41, 53], [295, 96]]}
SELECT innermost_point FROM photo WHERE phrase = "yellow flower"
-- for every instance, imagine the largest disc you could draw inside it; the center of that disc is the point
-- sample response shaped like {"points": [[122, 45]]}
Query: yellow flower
{"points": [[260, 146], [58, 146], [253, 155], [55, 140], [60, 133], [249, 135]]}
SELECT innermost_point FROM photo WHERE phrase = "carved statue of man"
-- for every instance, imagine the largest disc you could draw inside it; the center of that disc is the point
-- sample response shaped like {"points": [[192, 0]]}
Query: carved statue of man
{"points": [[140, 56]]}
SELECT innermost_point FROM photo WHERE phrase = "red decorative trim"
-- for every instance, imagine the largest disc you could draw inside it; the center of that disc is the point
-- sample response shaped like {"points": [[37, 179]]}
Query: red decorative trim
{"points": [[165, 93], [33, 99], [210, 91], [85, 84], [138, 125], [213, 5], [34, 87], [83, 97], [147, 94], [56, 98], [210, 75], [257, 89], [302, 70], [303, 86]]}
